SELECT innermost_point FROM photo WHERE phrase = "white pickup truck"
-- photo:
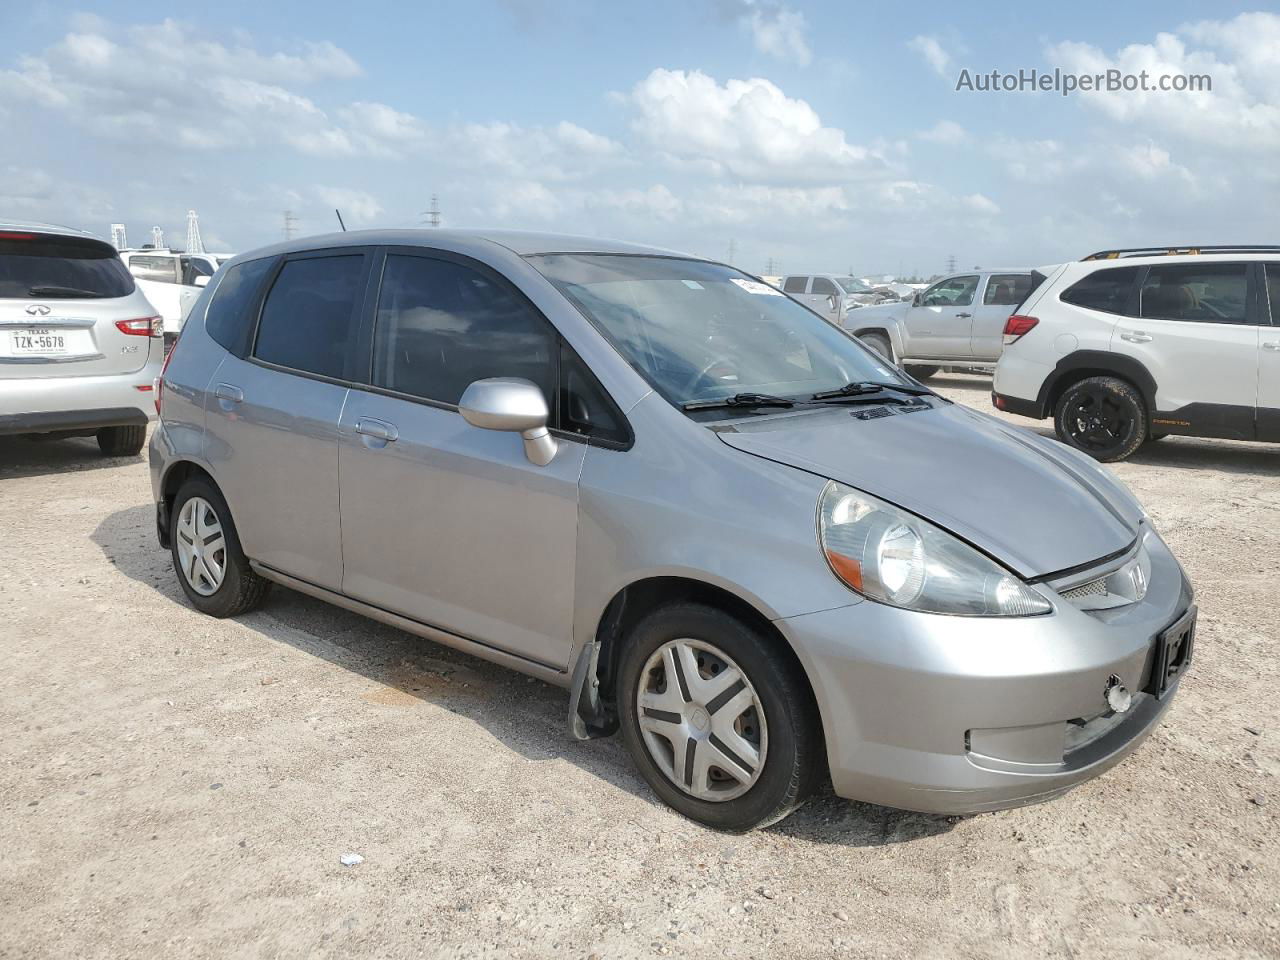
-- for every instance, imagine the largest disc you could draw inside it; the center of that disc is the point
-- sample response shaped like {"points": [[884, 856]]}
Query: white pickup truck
{"points": [[957, 322], [171, 280]]}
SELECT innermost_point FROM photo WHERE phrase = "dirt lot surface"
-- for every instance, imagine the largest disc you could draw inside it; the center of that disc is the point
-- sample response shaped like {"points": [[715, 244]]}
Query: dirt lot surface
{"points": [[173, 785]]}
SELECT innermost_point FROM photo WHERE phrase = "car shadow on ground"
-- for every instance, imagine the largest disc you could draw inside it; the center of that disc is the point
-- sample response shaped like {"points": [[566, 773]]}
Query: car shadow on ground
{"points": [[525, 714], [20, 457]]}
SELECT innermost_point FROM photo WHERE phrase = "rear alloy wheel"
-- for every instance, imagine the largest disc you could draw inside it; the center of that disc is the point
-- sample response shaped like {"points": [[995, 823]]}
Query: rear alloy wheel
{"points": [[1103, 416], [212, 568], [719, 722], [879, 343], [122, 441]]}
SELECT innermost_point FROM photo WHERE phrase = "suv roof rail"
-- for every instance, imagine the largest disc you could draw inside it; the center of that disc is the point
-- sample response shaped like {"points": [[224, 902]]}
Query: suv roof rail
{"points": [[1181, 251]]}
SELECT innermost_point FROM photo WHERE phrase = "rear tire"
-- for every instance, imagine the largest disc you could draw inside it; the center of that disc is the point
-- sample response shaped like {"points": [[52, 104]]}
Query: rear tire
{"points": [[921, 372], [1105, 417], [686, 751], [122, 441], [879, 344], [212, 569]]}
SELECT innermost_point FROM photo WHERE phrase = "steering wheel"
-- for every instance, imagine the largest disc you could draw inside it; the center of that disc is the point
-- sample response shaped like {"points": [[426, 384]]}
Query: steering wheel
{"points": [[705, 372]]}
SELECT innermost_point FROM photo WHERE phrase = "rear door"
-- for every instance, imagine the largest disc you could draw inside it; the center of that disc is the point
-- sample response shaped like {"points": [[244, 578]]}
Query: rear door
{"points": [[1196, 330], [941, 325], [60, 300], [1001, 294], [272, 418], [1269, 356]]}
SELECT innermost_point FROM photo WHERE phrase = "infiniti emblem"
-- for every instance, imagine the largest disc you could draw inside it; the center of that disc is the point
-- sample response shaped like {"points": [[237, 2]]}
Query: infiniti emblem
{"points": [[38, 310]]}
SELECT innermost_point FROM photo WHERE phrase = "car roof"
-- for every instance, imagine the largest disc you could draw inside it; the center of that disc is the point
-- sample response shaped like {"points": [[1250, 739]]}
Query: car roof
{"points": [[1179, 258], [520, 242], [35, 226]]}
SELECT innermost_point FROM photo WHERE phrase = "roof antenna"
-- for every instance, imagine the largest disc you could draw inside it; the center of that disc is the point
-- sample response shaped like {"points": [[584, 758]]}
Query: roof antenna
{"points": [[340, 223]]}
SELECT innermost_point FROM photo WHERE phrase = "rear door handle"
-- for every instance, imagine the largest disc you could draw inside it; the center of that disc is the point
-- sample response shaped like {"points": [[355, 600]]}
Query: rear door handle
{"points": [[964, 314], [228, 392], [377, 429], [1271, 345], [1136, 336]]}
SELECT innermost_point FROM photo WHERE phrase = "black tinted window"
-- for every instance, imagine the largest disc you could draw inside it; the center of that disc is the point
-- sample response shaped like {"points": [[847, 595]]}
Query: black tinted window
{"points": [[585, 409], [1273, 291], [1208, 292], [229, 319], [308, 320], [1007, 289], [40, 267], [794, 284], [442, 326], [1106, 290]]}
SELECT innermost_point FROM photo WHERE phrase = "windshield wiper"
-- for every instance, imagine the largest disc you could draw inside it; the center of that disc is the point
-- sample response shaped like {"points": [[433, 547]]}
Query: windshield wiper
{"points": [[745, 400], [56, 291], [860, 388]]}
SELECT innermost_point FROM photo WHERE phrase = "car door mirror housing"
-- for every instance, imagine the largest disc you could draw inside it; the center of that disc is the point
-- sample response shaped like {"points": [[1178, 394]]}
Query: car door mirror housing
{"points": [[917, 299], [201, 281], [512, 405]]}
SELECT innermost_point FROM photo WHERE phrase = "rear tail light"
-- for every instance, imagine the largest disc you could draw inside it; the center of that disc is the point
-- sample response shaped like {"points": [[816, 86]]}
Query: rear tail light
{"points": [[1018, 326], [142, 327]]}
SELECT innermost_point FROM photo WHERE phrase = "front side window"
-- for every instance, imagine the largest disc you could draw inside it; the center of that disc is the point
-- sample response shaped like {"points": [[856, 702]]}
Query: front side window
{"points": [[229, 318], [698, 331], [193, 267], [1106, 290], [442, 325], [1007, 289], [36, 266], [309, 318], [952, 292], [794, 284], [823, 287], [159, 269], [1206, 292]]}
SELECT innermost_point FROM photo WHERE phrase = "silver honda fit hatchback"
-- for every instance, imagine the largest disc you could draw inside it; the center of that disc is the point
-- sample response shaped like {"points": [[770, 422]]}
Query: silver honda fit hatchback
{"points": [[731, 531]]}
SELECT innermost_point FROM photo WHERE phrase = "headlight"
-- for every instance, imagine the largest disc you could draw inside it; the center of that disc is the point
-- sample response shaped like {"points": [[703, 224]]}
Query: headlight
{"points": [[894, 557]]}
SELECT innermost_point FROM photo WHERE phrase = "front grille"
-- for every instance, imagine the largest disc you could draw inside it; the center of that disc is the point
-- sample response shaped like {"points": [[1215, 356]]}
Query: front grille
{"points": [[1094, 588]]}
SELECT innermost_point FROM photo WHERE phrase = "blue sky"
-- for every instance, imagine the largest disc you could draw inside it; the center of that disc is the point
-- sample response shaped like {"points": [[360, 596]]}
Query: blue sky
{"points": [[821, 136]]}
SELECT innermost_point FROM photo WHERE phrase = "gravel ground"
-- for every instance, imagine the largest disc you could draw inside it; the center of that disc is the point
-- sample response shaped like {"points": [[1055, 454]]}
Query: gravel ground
{"points": [[172, 785]]}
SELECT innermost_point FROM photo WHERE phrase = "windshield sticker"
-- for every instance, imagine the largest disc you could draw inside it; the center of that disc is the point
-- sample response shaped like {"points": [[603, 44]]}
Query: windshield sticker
{"points": [[756, 287], [692, 284]]}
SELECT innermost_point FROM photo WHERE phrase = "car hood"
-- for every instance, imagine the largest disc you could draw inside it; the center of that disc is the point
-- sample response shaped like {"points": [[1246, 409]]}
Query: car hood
{"points": [[1034, 504]]}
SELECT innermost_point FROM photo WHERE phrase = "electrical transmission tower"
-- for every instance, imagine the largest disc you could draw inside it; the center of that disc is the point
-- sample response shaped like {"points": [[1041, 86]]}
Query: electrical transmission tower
{"points": [[733, 250], [951, 264], [290, 224], [117, 236], [432, 217], [194, 243], [769, 268], [157, 238]]}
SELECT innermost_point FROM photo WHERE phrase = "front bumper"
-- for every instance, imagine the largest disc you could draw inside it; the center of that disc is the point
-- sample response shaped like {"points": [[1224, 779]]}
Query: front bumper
{"points": [[962, 715]]}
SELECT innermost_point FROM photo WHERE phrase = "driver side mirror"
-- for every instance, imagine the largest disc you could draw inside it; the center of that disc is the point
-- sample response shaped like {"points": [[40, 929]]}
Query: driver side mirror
{"points": [[512, 405], [917, 298], [201, 281]]}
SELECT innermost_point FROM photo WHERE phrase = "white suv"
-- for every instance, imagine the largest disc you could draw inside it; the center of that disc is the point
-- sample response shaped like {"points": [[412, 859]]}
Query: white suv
{"points": [[171, 280], [1127, 346]]}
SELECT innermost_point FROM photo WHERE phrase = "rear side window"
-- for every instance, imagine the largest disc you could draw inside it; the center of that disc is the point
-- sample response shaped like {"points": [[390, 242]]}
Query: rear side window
{"points": [[794, 284], [823, 287], [1204, 292], [442, 325], [1106, 290], [309, 318], [229, 319], [1007, 289], [37, 266]]}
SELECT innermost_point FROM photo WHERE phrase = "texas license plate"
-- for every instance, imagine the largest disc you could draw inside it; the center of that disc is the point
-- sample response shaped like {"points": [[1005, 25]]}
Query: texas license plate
{"points": [[37, 342]]}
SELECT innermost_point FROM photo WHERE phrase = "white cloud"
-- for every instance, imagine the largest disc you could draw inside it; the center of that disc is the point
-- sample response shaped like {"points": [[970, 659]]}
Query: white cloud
{"points": [[562, 152], [777, 30], [356, 206], [747, 128], [932, 51], [1241, 55], [944, 131]]}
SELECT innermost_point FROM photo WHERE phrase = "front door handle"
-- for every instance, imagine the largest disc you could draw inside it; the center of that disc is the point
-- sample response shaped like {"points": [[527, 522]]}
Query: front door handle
{"points": [[1136, 336], [964, 315], [228, 392], [1271, 345], [377, 429]]}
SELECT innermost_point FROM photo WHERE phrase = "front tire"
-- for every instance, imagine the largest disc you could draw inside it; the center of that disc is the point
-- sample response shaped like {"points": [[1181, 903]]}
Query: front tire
{"points": [[122, 441], [1105, 417], [879, 344], [211, 567], [717, 719]]}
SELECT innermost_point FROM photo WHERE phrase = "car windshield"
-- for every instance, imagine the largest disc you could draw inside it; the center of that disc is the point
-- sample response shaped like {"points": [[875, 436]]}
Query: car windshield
{"points": [[850, 285], [700, 331]]}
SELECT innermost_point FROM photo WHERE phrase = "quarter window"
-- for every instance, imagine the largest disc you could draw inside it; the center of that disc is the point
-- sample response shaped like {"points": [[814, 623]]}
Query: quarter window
{"points": [[823, 287], [441, 326], [1204, 292], [229, 319], [1007, 289], [952, 292], [585, 409], [309, 318], [794, 284], [1106, 290]]}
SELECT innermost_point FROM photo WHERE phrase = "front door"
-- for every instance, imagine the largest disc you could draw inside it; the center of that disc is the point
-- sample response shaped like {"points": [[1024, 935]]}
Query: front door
{"points": [[1000, 297], [272, 419], [824, 298], [443, 522], [1197, 333], [939, 326]]}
